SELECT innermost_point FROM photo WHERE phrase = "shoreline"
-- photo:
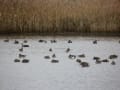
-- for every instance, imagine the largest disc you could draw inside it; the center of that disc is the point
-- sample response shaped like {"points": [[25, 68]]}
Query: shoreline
{"points": [[99, 34]]}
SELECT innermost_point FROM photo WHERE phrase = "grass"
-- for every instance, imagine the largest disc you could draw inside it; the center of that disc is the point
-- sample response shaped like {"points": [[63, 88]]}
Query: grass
{"points": [[59, 16]]}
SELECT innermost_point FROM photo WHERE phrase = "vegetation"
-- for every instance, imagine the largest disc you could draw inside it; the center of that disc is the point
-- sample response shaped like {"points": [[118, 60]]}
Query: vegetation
{"points": [[52, 16]]}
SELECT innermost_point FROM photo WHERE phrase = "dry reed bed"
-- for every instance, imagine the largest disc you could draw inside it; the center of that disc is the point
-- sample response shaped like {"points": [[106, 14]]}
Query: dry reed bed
{"points": [[36, 16]]}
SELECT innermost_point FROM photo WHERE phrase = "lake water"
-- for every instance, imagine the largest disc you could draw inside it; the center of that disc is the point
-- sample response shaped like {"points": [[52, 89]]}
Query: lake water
{"points": [[41, 74]]}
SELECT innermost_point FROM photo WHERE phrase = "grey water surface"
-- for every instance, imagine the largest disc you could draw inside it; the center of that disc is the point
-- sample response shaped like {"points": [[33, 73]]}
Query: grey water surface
{"points": [[40, 74]]}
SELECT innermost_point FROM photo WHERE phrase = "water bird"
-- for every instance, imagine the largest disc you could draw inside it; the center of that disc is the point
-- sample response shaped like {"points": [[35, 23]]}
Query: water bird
{"points": [[113, 63], [22, 56], [54, 61], [6, 40], [81, 56], [53, 41], [16, 42], [47, 57], [69, 41], [16, 60], [72, 56], [24, 45], [42, 41], [96, 58], [68, 50], [21, 49], [105, 60], [95, 42], [54, 56], [78, 60], [113, 56], [98, 62], [25, 41], [25, 61], [50, 50], [84, 64], [45, 41]]}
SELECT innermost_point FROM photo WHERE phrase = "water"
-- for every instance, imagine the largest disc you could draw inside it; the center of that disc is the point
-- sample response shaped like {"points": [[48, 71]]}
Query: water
{"points": [[41, 74]]}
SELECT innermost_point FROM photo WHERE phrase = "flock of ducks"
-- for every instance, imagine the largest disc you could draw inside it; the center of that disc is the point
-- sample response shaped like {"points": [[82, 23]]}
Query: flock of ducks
{"points": [[77, 58], [21, 57]]}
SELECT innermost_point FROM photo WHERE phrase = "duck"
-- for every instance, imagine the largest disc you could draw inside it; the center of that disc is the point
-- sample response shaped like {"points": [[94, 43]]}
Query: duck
{"points": [[78, 60], [21, 49], [68, 49], [95, 42], [113, 56], [50, 50], [105, 60], [24, 45], [53, 41], [6, 40], [16, 42], [81, 56], [22, 56], [47, 57], [54, 61], [25, 61], [25, 41], [41, 41], [84, 64], [72, 56], [113, 63], [96, 58], [16, 60], [54, 56], [98, 61], [69, 41]]}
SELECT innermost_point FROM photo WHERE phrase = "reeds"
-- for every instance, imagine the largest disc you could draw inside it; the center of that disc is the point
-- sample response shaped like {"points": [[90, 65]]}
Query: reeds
{"points": [[59, 16]]}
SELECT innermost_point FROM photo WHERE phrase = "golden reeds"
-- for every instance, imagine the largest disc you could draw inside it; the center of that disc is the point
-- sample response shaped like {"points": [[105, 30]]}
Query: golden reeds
{"points": [[51, 16]]}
